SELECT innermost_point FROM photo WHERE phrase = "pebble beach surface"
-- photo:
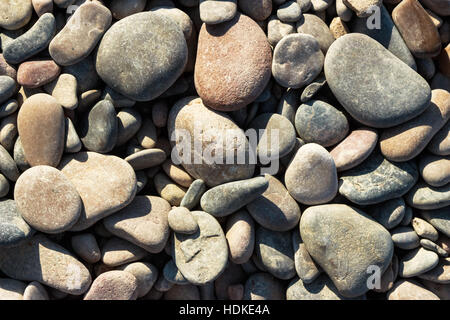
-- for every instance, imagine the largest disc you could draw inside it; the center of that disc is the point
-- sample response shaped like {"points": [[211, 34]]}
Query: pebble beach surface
{"points": [[229, 150]]}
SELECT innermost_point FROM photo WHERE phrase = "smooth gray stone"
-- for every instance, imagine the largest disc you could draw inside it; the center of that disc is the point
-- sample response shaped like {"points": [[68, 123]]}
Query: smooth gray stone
{"points": [[263, 286], [7, 165], [416, 262], [390, 213], [129, 123], [319, 122], [430, 245], [345, 242], [72, 141], [117, 99], [172, 274], [193, 194], [405, 238], [438, 218], [313, 25], [19, 156], [306, 268], [395, 92], [13, 229], [146, 158], [311, 89], [321, 288], [7, 88], [229, 197], [426, 197], [85, 73], [35, 40], [217, 11], [275, 251], [289, 11], [288, 104], [8, 107], [98, 128], [156, 55], [377, 180], [387, 35]]}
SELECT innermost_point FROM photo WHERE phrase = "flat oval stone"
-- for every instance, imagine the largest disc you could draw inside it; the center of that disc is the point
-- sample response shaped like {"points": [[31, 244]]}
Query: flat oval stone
{"points": [[35, 40], [410, 290], [425, 197], [240, 235], [41, 127], [229, 197], [99, 127], [430, 245], [113, 285], [81, 33], [275, 135], [275, 209], [9, 107], [105, 184], [403, 95], [277, 30], [377, 180], [34, 74], [13, 228], [345, 242], [319, 122], [440, 143], [275, 252], [258, 10], [117, 252], [417, 29], [314, 26], [146, 158], [156, 55], [15, 14], [47, 200], [390, 213], [215, 126], [177, 174], [193, 194], [217, 11], [355, 148], [435, 170], [64, 90], [439, 218], [416, 262], [221, 79], [297, 60], [11, 289], [263, 286], [440, 273], [407, 140], [311, 176], [142, 222], [85, 245], [202, 256], [320, 289], [7, 88], [405, 238], [181, 220], [424, 229], [145, 274], [42, 260]]}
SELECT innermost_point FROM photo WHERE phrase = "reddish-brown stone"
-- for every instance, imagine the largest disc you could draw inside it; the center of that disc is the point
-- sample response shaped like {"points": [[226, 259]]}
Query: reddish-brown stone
{"points": [[33, 74]]}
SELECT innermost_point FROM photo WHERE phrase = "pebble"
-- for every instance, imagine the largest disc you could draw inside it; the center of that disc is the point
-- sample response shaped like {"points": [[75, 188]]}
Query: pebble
{"points": [[145, 274], [11, 289], [146, 135], [143, 222], [64, 90], [275, 209], [34, 74], [288, 104], [314, 26], [217, 11], [169, 190], [406, 141], [172, 274], [258, 10], [289, 11], [42, 6], [439, 274], [440, 143], [297, 60], [275, 252], [19, 156], [6, 69], [72, 140], [193, 194], [417, 29], [424, 229], [435, 170], [390, 213], [338, 27], [181, 220], [306, 268], [311, 176], [430, 245], [405, 238], [394, 102], [410, 290], [85, 245], [417, 262], [117, 252], [201, 257], [438, 218], [13, 228], [39, 259], [229, 197], [425, 197], [113, 285], [277, 30], [263, 286], [8, 131], [35, 291], [7, 88], [15, 14], [84, 72], [7, 165], [160, 112], [221, 79], [321, 289], [47, 200], [177, 174], [105, 184], [35, 40], [362, 8], [4, 186], [214, 126], [344, 242], [153, 42], [377, 180], [240, 235], [41, 147]]}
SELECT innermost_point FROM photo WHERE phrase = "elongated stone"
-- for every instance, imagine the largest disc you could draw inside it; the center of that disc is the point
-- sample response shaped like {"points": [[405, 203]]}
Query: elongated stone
{"points": [[425, 197], [438, 218], [33, 74], [417, 262]]}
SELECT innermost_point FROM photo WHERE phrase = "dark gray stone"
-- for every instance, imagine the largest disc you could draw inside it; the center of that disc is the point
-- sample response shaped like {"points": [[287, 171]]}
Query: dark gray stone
{"points": [[405, 238], [389, 213], [193, 195], [377, 180], [7, 88], [9, 107], [13, 229], [395, 92], [35, 40], [288, 104], [19, 156], [310, 90], [263, 286]]}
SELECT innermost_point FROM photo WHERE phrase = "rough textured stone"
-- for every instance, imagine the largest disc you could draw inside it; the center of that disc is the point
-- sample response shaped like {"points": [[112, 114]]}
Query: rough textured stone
{"points": [[416, 262], [13, 228], [314, 26], [153, 60], [403, 95], [33, 74], [113, 285], [345, 242], [221, 79], [362, 8], [105, 184]]}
